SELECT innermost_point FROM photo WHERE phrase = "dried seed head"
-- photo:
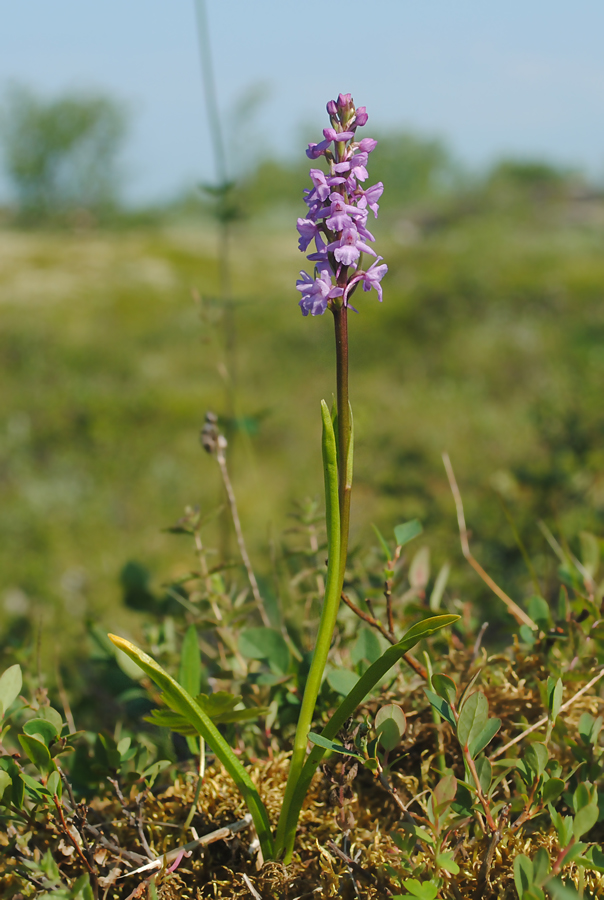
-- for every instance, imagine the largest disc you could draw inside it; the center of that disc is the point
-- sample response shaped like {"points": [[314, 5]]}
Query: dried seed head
{"points": [[209, 433]]}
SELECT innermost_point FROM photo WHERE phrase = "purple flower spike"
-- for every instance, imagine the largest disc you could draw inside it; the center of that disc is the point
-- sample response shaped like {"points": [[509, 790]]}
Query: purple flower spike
{"points": [[336, 220]]}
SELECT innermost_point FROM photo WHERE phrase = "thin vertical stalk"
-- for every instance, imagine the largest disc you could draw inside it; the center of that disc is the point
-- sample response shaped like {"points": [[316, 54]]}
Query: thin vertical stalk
{"points": [[331, 602], [209, 90], [344, 430], [221, 459]]}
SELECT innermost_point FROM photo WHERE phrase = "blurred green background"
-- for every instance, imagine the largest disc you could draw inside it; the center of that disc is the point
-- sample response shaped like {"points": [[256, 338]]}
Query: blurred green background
{"points": [[115, 341]]}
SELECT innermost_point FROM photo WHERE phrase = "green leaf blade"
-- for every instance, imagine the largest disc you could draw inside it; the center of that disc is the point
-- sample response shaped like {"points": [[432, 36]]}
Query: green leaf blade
{"points": [[182, 702], [11, 683], [472, 718], [406, 531]]}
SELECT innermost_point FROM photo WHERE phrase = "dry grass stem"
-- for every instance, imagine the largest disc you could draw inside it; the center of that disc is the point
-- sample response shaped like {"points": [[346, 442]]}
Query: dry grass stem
{"points": [[519, 614]]}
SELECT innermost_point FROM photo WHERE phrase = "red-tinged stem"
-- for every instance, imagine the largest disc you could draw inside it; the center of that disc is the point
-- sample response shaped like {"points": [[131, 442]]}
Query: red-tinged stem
{"points": [[344, 426]]}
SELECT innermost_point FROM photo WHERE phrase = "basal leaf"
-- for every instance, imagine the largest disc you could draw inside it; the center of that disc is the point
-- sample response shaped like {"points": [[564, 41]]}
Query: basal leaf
{"points": [[541, 865], [326, 744], [485, 737], [536, 757], [560, 890], [445, 687], [268, 644], [189, 674], [44, 729], [552, 789], [538, 610], [593, 858], [341, 681], [47, 712], [390, 725], [11, 682], [485, 773], [523, 873], [441, 706], [182, 702], [5, 781], [445, 861], [472, 718], [362, 688], [585, 820], [554, 697], [367, 646], [37, 751]]}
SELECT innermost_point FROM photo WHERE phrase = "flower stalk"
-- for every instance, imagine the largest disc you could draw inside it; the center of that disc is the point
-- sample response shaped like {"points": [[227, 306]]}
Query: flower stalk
{"points": [[337, 217], [337, 222]]}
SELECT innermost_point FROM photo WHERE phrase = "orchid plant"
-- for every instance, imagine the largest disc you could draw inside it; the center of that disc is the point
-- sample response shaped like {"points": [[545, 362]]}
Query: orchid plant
{"points": [[338, 208]]}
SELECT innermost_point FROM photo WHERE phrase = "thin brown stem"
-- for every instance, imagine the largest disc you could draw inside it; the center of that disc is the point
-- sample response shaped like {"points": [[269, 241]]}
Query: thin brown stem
{"points": [[203, 565], [133, 821], [221, 459], [479, 792], [76, 846], [483, 875], [390, 637], [344, 428], [221, 834], [544, 720], [519, 614], [352, 865]]}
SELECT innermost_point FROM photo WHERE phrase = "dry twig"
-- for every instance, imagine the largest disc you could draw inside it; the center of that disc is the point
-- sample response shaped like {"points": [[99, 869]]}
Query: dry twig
{"points": [[544, 720], [221, 834], [392, 638], [519, 614]]}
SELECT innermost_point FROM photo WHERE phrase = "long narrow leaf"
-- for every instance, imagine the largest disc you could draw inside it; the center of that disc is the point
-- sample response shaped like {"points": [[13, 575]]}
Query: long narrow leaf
{"points": [[181, 702], [347, 708]]}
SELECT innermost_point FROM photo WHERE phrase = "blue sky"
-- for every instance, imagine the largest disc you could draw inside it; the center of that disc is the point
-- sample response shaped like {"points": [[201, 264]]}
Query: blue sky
{"points": [[524, 78]]}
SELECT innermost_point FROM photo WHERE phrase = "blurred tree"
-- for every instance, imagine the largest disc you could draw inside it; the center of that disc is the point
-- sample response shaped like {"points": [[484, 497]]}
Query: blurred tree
{"points": [[415, 168], [60, 154]]}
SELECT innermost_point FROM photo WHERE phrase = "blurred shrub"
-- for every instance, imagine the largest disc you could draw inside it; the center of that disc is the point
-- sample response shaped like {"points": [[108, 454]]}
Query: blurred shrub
{"points": [[60, 154]]}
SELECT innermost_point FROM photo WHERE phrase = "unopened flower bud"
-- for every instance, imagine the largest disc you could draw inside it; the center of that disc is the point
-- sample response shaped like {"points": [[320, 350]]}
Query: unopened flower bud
{"points": [[361, 117], [332, 108]]}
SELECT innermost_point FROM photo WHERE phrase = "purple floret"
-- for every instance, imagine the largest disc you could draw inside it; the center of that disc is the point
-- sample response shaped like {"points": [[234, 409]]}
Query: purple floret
{"points": [[316, 293]]}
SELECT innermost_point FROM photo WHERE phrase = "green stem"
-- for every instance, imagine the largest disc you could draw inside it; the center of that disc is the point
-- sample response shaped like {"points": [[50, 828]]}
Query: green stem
{"points": [[329, 613], [337, 462], [347, 708]]}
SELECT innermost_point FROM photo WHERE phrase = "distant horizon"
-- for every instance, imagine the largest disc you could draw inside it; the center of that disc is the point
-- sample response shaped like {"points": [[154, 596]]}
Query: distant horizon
{"points": [[525, 83]]}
